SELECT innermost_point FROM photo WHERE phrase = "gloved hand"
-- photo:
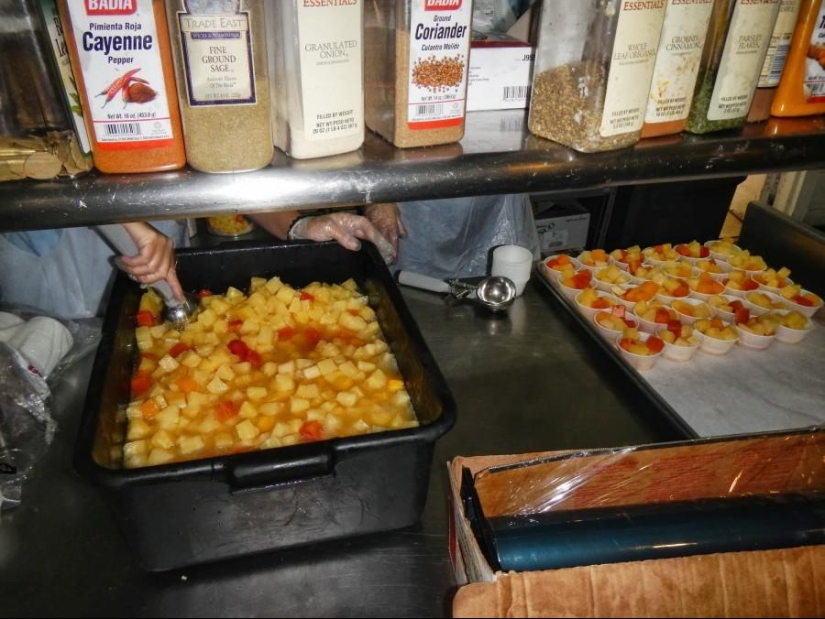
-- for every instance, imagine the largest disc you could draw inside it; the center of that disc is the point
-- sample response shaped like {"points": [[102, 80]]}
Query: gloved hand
{"points": [[387, 218], [346, 228]]}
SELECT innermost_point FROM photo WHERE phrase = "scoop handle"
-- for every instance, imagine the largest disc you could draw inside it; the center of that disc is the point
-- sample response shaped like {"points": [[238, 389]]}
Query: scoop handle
{"points": [[125, 245], [425, 282]]}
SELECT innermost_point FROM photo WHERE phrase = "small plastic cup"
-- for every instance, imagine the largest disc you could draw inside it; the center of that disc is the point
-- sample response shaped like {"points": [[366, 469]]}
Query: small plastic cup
{"points": [[515, 262]]}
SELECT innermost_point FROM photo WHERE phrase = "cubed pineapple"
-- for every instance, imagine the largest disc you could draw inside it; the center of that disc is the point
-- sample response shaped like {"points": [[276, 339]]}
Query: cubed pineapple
{"points": [[309, 391], [312, 372], [246, 430], [207, 318], [347, 398], [270, 409], [256, 394], [287, 368], [138, 428], [217, 386], [248, 411], [188, 444], [223, 441], [327, 366], [159, 456], [285, 295], [163, 440], [219, 306], [298, 405], [377, 380], [284, 383]]}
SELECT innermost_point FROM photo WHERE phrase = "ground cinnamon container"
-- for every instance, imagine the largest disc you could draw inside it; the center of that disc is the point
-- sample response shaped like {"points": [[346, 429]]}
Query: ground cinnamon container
{"points": [[737, 41], [677, 67], [123, 64], [801, 91], [778, 50], [223, 83], [417, 54], [594, 63]]}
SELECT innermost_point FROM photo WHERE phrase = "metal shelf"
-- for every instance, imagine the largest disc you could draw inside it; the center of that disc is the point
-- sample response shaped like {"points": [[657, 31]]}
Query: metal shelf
{"points": [[497, 155]]}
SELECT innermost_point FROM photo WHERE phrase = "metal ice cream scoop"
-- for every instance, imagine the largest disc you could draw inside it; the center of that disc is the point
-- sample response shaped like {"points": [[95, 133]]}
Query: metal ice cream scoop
{"points": [[495, 293], [176, 312]]}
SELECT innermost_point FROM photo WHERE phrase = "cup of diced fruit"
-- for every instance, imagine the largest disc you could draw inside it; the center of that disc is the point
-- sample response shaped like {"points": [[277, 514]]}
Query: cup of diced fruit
{"points": [[609, 276], [590, 301], [747, 262], [681, 342], [571, 283], [757, 332], [629, 296], [611, 324], [728, 307], [690, 310], [659, 254], [716, 336], [560, 262], [652, 316], [803, 301], [791, 326], [723, 249], [671, 288], [626, 259], [593, 259], [772, 280], [738, 283], [760, 302], [717, 269], [693, 251], [703, 286], [641, 350]]}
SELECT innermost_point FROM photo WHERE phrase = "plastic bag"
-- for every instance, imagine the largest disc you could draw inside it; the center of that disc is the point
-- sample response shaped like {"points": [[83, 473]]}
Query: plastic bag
{"points": [[35, 350], [454, 237]]}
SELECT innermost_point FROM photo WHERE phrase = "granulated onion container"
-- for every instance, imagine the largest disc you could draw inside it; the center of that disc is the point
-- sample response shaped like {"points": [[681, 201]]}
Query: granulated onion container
{"points": [[223, 83], [417, 59], [737, 41], [593, 68], [316, 60]]}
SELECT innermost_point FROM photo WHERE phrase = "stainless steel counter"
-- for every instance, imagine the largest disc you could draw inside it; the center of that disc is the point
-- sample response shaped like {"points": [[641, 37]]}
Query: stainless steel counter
{"points": [[524, 382], [497, 155]]}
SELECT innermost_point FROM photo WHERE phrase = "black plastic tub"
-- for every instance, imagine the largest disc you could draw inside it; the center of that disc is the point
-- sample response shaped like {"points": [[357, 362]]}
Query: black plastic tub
{"points": [[187, 513]]}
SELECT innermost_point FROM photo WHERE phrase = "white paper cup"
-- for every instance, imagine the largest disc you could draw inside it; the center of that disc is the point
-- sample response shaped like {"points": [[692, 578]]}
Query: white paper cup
{"points": [[515, 262]]}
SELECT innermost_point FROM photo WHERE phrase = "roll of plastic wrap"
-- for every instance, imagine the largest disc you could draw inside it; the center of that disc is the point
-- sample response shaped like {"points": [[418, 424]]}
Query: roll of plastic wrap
{"points": [[641, 532]]}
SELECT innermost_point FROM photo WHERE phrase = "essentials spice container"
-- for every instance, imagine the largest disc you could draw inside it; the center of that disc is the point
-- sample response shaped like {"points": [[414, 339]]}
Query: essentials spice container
{"points": [[123, 66], [591, 79], [677, 67], [316, 58], [737, 41], [778, 49], [801, 91], [221, 68], [417, 54]]}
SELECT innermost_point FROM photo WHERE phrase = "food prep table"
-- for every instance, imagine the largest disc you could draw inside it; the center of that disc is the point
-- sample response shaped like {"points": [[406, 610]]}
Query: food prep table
{"points": [[526, 381]]}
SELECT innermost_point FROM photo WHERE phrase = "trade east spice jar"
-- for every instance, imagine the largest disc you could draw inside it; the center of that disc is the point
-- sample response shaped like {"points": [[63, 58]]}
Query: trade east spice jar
{"points": [[417, 54], [223, 83], [593, 68], [123, 65]]}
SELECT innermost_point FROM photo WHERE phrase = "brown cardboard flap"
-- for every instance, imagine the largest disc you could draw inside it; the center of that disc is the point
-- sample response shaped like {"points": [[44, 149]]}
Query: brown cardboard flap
{"points": [[771, 583]]}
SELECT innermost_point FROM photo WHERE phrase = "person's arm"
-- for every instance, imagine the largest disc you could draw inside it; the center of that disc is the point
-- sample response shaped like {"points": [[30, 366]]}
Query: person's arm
{"points": [[387, 218], [155, 259], [348, 229]]}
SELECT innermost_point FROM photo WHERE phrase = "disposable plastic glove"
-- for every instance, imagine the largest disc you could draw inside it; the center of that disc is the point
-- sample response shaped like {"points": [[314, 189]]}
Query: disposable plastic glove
{"points": [[387, 218], [346, 228]]}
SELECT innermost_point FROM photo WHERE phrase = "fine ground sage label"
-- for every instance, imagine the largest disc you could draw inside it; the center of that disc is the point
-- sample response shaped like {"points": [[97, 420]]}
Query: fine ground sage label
{"points": [[218, 56]]}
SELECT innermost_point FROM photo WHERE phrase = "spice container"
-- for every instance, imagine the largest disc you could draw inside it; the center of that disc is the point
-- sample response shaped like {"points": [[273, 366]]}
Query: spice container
{"points": [[737, 41], [221, 69], [591, 79], [677, 67], [778, 49], [123, 66], [417, 54], [801, 91], [229, 225], [37, 139], [316, 58]]}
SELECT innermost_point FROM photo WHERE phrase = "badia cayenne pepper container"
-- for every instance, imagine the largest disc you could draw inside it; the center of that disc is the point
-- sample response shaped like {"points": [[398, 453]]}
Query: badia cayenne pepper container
{"points": [[417, 60], [123, 64]]}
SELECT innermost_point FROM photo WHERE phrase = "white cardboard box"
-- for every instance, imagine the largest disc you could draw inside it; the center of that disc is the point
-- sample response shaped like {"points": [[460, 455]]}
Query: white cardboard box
{"points": [[500, 73], [561, 227]]}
